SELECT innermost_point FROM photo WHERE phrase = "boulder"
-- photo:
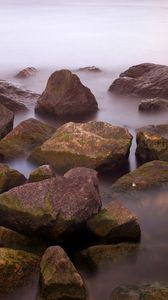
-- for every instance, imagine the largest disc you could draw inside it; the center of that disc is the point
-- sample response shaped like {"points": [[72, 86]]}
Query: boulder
{"points": [[153, 291], [51, 208], [153, 105], [6, 120], [65, 95], [150, 175], [16, 268], [10, 178], [12, 105], [41, 173], [152, 143], [27, 72], [144, 80], [96, 145], [24, 137], [59, 278], [115, 223], [85, 173], [90, 69]]}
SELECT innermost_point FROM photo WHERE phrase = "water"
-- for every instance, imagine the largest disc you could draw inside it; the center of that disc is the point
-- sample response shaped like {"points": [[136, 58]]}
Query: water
{"points": [[112, 35]]}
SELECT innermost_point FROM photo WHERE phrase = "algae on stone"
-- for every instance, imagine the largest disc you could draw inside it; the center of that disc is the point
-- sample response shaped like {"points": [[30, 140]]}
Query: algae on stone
{"points": [[10, 178]]}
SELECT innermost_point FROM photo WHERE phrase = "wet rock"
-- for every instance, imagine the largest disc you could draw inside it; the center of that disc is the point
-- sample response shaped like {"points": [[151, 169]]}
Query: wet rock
{"points": [[65, 95], [150, 175], [144, 80], [27, 72], [113, 224], [10, 178], [90, 69], [24, 137], [16, 95], [59, 278], [16, 268], [6, 120], [152, 143], [96, 145], [41, 173], [12, 105], [153, 291], [153, 105], [51, 208]]}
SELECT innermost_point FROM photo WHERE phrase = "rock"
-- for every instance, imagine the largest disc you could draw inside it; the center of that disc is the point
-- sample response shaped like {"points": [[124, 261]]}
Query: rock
{"points": [[6, 120], [85, 173], [96, 145], [115, 223], [16, 95], [153, 291], [90, 69], [144, 80], [153, 105], [65, 95], [24, 137], [14, 240], [27, 72], [50, 208], [59, 278], [10, 178], [16, 268], [41, 173], [150, 175], [100, 255], [152, 143], [12, 105]]}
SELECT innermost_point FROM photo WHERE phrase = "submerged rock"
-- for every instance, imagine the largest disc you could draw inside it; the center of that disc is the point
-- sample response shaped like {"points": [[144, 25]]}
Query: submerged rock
{"points": [[10, 178], [90, 69], [59, 278], [152, 142], [50, 208], [27, 72], [65, 95], [144, 80], [114, 223], [93, 144], [153, 291], [6, 120], [24, 137], [16, 268], [41, 173], [153, 105]]}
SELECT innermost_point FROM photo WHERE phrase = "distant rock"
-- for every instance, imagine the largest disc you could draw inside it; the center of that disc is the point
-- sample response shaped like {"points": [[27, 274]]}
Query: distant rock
{"points": [[145, 80], [153, 105], [65, 95], [96, 145], [6, 120], [114, 223], [41, 173], [152, 143], [59, 278], [10, 178], [90, 69], [27, 72], [24, 137]]}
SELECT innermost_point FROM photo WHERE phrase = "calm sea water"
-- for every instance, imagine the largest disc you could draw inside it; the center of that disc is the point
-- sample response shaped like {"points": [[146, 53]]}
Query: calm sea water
{"points": [[112, 35]]}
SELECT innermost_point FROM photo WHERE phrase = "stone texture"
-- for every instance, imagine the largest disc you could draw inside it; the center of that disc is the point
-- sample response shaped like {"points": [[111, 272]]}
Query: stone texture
{"points": [[65, 95], [41, 173], [96, 145], [24, 137], [153, 105], [59, 278], [10, 178], [6, 120]]}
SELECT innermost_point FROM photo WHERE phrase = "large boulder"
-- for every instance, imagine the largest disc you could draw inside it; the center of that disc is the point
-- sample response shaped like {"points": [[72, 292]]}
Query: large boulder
{"points": [[41, 173], [94, 144], [144, 80], [152, 143], [24, 137], [114, 223], [65, 95], [50, 208], [10, 178], [59, 278], [153, 291], [16, 268], [6, 120], [150, 175], [11, 104], [153, 105]]}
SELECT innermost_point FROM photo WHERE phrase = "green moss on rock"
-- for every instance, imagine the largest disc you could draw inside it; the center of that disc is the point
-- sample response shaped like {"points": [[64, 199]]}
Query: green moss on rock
{"points": [[10, 178]]}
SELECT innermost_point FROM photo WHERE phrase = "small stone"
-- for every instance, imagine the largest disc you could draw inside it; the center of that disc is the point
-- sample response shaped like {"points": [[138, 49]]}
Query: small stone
{"points": [[27, 72], [41, 173]]}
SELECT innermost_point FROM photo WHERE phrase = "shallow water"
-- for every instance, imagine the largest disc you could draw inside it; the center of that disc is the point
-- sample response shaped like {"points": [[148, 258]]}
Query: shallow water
{"points": [[112, 35]]}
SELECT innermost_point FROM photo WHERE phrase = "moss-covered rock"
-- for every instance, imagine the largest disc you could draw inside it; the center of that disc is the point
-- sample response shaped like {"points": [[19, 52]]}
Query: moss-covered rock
{"points": [[10, 178], [41, 173], [93, 145], [6, 121], [24, 137], [115, 223], [16, 268], [153, 105], [152, 143], [59, 278], [153, 291]]}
